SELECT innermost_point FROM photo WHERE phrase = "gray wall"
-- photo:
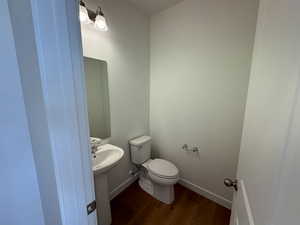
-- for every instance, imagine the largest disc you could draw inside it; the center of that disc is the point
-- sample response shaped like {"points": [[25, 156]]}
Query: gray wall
{"points": [[200, 64], [125, 48]]}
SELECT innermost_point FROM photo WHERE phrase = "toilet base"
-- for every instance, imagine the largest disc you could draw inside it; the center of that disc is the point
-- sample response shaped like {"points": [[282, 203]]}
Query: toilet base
{"points": [[163, 193]]}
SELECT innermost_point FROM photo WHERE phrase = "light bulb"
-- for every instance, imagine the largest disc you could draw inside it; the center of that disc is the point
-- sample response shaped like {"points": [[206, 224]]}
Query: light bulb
{"points": [[83, 14], [100, 23]]}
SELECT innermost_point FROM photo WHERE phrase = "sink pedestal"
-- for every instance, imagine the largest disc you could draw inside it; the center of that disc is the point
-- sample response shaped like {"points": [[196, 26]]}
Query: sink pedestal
{"points": [[105, 158], [102, 199]]}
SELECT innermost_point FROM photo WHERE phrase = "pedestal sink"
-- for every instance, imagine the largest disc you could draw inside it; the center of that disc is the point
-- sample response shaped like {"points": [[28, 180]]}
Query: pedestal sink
{"points": [[106, 157]]}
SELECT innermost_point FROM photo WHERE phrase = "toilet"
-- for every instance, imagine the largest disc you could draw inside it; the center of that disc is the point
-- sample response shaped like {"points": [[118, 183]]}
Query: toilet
{"points": [[157, 176]]}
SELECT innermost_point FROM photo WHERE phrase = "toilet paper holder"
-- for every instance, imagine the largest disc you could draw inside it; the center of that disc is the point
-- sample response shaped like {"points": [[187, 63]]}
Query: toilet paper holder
{"points": [[185, 147]]}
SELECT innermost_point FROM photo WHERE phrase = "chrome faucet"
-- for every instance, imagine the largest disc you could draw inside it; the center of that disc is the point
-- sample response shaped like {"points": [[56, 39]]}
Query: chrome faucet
{"points": [[94, 143], [94, 149]]}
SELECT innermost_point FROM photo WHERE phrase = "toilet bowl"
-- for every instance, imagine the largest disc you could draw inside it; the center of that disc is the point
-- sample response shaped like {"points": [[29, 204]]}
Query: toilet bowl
{"points": [[158, 179], [157, 176]]}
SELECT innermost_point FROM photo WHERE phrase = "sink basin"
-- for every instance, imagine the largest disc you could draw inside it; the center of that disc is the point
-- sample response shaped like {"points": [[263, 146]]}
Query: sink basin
{"points": [[107, 156]]}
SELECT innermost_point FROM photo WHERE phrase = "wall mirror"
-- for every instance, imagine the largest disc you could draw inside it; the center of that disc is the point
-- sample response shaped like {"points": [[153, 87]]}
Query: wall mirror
{"points": [[96, 78]]}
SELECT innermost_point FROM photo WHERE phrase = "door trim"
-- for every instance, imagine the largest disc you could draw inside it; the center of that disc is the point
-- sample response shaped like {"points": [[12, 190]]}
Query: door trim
{"points": [[241, 206], [242, 188], [76, 53]]}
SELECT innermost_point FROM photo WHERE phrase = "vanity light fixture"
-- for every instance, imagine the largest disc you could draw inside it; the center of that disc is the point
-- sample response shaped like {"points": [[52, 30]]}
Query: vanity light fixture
{"points": [[83, 13], [100, 21], [88, 16]]}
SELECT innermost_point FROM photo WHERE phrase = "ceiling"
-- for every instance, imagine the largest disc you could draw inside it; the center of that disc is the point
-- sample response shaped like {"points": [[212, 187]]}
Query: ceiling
{"points": [[151, 7]]}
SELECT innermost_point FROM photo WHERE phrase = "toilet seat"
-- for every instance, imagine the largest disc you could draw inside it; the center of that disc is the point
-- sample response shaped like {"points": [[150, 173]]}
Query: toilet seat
{"points": [[163, 169]]}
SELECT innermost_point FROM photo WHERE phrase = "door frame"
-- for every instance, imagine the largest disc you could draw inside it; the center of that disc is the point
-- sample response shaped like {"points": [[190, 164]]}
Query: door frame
{"points": [[76, 53]]}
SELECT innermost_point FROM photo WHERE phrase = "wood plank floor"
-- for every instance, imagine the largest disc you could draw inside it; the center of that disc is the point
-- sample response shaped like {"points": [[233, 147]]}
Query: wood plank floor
{"points": [[136, 207]]}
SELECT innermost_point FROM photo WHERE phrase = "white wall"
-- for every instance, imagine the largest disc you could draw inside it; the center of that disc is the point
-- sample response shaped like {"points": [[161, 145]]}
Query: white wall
{"points": [[34, 188], [26, 51], [200, 64], [19, 190], [269, 158], [125, 48]]}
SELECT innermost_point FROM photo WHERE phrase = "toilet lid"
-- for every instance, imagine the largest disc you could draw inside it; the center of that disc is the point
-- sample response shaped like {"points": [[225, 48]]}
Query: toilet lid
{"points": [[163, 168]]}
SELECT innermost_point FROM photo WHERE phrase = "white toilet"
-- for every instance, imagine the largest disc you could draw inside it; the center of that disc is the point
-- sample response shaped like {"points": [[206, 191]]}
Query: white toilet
{"points": [[157, 176]]}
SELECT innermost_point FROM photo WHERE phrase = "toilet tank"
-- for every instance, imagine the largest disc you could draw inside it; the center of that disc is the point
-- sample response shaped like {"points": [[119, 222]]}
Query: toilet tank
{"points": [[140, 149]]}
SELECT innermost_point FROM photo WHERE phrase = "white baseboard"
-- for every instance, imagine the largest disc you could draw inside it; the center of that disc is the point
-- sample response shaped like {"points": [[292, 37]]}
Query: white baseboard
{"points": [[122, 186], [206, 193]]}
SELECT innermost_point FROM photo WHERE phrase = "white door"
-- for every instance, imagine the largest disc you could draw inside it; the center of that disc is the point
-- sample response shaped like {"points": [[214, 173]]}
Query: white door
{"points": [[267, 147]]}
